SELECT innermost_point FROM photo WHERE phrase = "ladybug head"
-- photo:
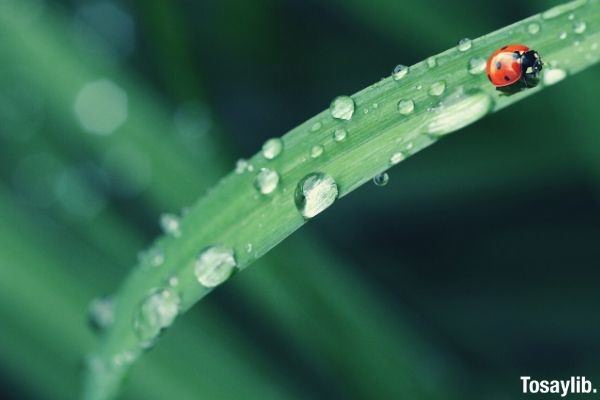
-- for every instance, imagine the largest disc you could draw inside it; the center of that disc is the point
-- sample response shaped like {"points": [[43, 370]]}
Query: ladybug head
{"points": [[531, 63]]}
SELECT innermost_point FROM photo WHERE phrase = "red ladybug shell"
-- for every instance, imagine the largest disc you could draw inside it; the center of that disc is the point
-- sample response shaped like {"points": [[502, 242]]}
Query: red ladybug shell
{"points": [[503, 68]]}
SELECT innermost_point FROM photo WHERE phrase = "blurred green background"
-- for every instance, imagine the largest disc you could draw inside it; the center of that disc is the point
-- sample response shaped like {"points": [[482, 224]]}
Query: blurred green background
{"points": [[476, 264]]}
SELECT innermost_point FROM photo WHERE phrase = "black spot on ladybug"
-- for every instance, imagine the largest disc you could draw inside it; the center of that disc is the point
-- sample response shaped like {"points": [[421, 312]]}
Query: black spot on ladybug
{"points": [[504, 48], [498, 65], [506, 78], [489, 77]]}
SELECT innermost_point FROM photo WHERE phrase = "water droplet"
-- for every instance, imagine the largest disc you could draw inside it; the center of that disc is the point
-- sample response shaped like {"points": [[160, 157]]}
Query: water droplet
{"points": [[399, 72], [562, 9], [533, 28], [272, 148], [419, 87], [315, 193], [459, 110], [214, 265], [406, 107], [552, 76], [562, 35], [464, 44], [173, 281], [431, 62], [170, 224], [571, 17], [342, 107], [249, 247], [316, 151], [157, 312], [101, 313], [477, 65], [381, 179], [123, 359], [396, 158], [437, 88], [579, 27], [266, 181], [340, 135], [242, 166], [316, 126]]}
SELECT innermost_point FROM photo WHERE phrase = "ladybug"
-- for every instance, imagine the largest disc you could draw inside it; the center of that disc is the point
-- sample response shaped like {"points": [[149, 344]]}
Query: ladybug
{"points": [[514, 65]]}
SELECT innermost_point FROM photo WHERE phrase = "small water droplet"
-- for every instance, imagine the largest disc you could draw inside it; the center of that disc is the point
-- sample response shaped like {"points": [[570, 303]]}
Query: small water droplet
{"points": [[459, 110], [153, 257], [477, 65], [406, 107], [214, 265], [437, 88], [315, 193], [399, 72], [101, 313], [170, 224], [579, 27], [316, 151], [266, 181], [272, 148], [122, 359], [340, 135], [381, 179], [464, 44], [552, 76], [396, 158], [533, 28], [157, 312], [571, 17], [431, 62], [249, 247], [342, 107], [562, 35], [316, 126], [173, 281], [419, 87], [241, 166], [375, 105]]}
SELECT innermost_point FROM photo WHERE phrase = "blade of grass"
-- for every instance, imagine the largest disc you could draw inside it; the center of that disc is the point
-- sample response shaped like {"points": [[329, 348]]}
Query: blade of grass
{"points": [[233, 214]]}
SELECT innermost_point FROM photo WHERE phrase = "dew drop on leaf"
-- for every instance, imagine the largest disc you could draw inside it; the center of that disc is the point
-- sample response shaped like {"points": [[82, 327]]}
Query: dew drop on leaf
{"points": [[477, 65], [339, 135], [579, 27], [406, 107], [533, 28], [342, 107], [396, 158], [552, 76], [464, 44], [214, 265], [266, 181], [315, 193], [272, 148], [170, 224], [316, 151], [381, 179], [399, 72], [155, 313], [437, 88]]}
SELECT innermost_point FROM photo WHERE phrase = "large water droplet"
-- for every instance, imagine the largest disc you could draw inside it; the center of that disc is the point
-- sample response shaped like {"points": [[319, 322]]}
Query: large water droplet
{"points": [[552, 76], [437, 88], [459, 110], [464, 44], [406, 107], [157, 312], [381, 179], [266, 181], [214, 265], [342, 107], [314, 193], [340, 135], [170, 224], [399, 72], [533, 28], [579, 27], [272, 148], [477, 65], [101, 313], [396, 158]]}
